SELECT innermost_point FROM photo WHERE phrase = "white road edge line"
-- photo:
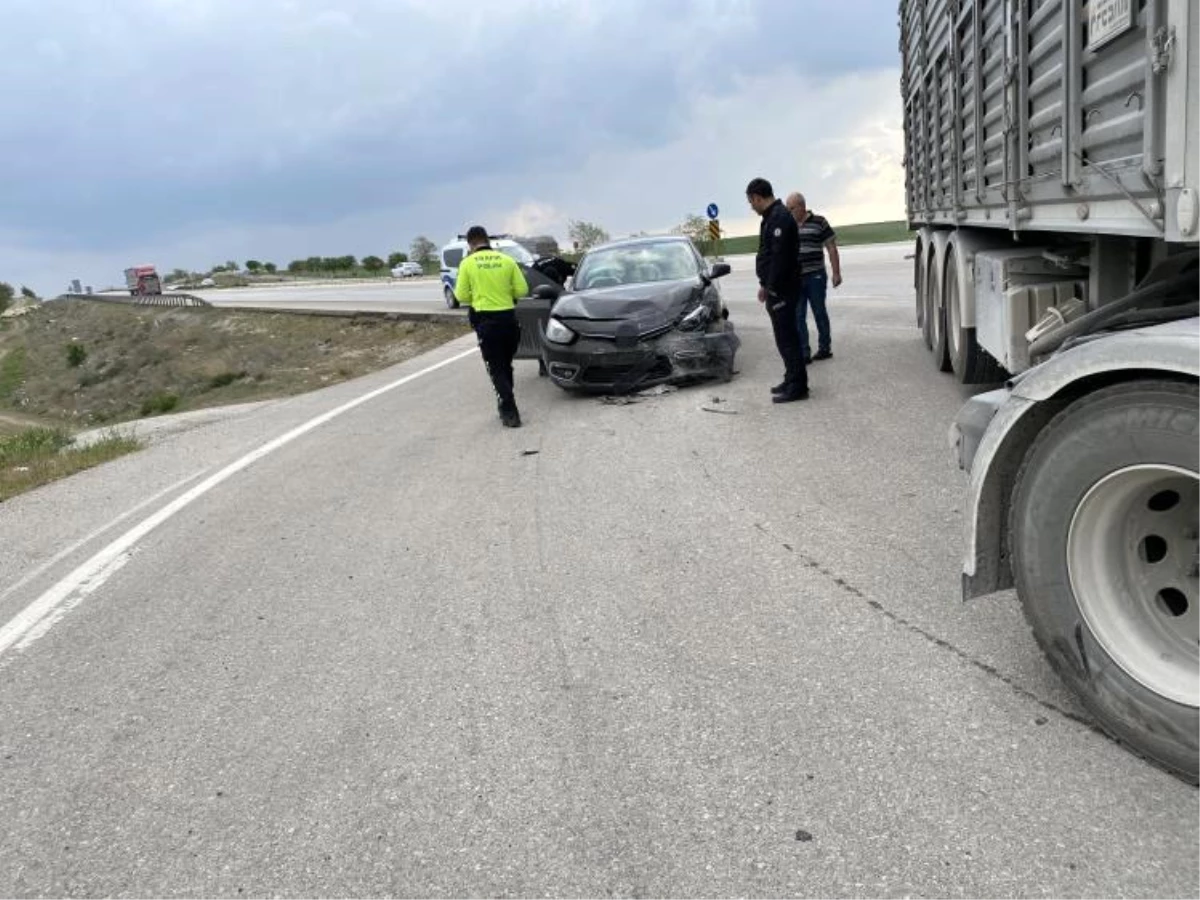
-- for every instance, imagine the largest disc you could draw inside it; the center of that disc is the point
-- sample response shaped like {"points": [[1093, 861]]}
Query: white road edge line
{"points": [[63, 554], [23, 629]]}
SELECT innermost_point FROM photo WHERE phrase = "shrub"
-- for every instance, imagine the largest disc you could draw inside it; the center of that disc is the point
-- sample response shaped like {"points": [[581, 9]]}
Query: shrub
{"points": [[160, 403], [224, 379]]}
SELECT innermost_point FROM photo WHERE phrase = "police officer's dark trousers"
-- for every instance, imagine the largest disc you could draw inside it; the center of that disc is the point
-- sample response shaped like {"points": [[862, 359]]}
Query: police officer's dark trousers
{"points": [[787, 341], [499, 337]]}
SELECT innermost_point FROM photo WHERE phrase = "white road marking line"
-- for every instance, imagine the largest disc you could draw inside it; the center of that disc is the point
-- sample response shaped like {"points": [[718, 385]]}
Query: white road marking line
{"points": [[70, 599], [43, 613], [63, 554]]}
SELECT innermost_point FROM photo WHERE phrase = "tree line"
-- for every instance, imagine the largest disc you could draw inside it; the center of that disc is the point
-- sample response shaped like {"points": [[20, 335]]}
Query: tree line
{"points": [[422, 250], [583, 236]]}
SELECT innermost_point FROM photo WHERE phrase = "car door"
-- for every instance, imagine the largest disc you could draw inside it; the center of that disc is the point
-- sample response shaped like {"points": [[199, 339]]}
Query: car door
{"points": [[533, 312], [712, 286]]}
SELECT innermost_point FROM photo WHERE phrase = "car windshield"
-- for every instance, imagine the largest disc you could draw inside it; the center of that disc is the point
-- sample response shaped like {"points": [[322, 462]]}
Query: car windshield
{"points": [[636, 264], [517, 252]]}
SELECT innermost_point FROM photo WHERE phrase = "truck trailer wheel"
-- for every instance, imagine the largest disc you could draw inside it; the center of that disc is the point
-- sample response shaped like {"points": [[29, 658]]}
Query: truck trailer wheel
{"points": [[1103, 531], [919, 288], [970, 363], [935, 317]]}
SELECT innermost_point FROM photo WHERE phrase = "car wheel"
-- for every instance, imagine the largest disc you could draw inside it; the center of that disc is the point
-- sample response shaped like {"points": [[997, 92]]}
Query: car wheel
{"points": [[451, 300], [1104, 542]]}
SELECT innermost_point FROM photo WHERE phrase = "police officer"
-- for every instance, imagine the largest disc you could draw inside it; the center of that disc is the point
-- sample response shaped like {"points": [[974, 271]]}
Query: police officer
{"points": [[490, 284], [778, 270]]}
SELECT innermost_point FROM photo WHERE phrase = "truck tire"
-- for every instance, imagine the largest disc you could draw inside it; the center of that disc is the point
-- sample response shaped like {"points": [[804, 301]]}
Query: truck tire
{"points": [[919, 288], [451, 299], [934, 329], [937, 335], [1103, 535], [970, 363]]}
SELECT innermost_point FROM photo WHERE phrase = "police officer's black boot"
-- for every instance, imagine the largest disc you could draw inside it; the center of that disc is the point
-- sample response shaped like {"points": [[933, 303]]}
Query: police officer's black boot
{"points": [[795, 386], [510, 416], [791, 395]]}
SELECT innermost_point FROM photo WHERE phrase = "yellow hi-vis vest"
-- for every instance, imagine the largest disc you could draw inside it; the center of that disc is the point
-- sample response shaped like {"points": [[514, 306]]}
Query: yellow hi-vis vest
{"points": [[489, 281]]}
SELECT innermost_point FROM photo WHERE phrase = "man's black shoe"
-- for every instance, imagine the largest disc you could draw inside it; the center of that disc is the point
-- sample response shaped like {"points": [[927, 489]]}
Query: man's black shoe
{"points": [[511, 418], [790, 397], [823, 354], [780, 388]]}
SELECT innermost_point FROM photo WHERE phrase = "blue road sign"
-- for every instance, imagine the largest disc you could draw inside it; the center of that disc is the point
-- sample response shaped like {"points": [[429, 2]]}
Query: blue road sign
{"points": [[712, 210]]}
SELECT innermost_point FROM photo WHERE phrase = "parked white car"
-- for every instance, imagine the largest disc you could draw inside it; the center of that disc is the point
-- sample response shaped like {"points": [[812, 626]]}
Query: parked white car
{"points": [[408, 270]]}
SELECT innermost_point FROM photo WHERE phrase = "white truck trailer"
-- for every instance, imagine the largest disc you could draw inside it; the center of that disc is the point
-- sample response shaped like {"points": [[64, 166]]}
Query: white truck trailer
{"points": [[1052, 149]]}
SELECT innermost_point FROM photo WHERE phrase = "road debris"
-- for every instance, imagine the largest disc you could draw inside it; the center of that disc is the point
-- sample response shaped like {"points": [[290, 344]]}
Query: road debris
{"points": [[658, 390], [714, 407], [638, 396]]}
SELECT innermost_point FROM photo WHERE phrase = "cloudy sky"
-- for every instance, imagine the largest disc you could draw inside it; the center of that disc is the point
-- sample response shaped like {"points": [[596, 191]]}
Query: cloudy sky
{"points": [[189, 132]]}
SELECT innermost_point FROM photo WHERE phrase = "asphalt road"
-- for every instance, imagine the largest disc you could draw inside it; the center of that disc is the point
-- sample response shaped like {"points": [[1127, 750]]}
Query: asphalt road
{"points": [[630, 650]]}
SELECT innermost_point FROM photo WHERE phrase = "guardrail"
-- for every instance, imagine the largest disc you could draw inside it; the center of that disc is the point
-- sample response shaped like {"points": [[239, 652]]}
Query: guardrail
{"points": [[442, 317], [142, 300]]}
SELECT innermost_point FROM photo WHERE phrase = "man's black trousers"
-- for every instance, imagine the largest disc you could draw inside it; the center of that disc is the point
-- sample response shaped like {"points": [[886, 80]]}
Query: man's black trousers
{"points": [[787, 341], [499, 337]]}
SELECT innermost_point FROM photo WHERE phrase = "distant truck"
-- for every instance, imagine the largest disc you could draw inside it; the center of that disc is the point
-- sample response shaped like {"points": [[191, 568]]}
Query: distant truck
{"points": [[142, 281], [1051, 154]]}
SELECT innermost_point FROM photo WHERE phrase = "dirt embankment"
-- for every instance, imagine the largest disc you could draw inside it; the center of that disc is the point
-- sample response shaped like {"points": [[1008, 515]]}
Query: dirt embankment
{"points": [[83, 364]]}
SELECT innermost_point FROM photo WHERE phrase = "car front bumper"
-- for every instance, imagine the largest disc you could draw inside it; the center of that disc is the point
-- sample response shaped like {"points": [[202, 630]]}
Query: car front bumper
{"points": [[602, 366]]}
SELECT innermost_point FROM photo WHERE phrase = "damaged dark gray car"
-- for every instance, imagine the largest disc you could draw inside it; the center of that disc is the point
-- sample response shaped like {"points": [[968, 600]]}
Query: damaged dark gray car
{"points": [[640, 312]]}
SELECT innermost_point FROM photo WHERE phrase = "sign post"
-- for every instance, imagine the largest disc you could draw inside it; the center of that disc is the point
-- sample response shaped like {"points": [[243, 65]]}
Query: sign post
{"points": [[714, 227]]}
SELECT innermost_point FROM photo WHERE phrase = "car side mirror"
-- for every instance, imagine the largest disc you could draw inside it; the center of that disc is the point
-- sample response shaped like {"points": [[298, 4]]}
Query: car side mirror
{"points": [[545, 292], [720, 270]]}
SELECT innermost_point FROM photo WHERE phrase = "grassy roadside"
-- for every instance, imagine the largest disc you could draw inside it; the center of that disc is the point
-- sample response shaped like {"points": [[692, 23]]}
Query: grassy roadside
{"points": [[73, 365], [847, 236], [32, 457]]}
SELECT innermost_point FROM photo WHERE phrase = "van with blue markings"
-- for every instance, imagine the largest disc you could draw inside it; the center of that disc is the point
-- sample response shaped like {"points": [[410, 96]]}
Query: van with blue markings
{"points": [[452, 256]]}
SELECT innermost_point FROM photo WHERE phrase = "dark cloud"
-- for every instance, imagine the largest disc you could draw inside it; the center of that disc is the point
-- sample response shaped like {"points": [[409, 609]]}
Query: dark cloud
{"points": [[136, 118]]}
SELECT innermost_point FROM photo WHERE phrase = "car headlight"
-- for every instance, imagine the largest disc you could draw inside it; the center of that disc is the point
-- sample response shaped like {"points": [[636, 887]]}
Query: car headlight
{"points": [[695, 320], [558, 333]]}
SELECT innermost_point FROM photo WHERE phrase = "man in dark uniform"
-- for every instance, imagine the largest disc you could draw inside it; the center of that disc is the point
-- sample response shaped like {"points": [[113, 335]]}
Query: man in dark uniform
{"points": [[778, 270]]}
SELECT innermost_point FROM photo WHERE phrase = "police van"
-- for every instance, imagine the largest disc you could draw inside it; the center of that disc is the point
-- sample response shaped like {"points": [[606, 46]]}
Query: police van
{"points": [[453, 253]]}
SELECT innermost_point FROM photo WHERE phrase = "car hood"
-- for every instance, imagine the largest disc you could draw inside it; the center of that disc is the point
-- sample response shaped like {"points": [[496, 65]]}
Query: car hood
{"points": [[651, 307]]}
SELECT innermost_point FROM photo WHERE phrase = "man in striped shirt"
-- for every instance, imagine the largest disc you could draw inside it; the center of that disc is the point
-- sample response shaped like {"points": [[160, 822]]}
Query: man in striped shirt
{"points": [[816, 239]]}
